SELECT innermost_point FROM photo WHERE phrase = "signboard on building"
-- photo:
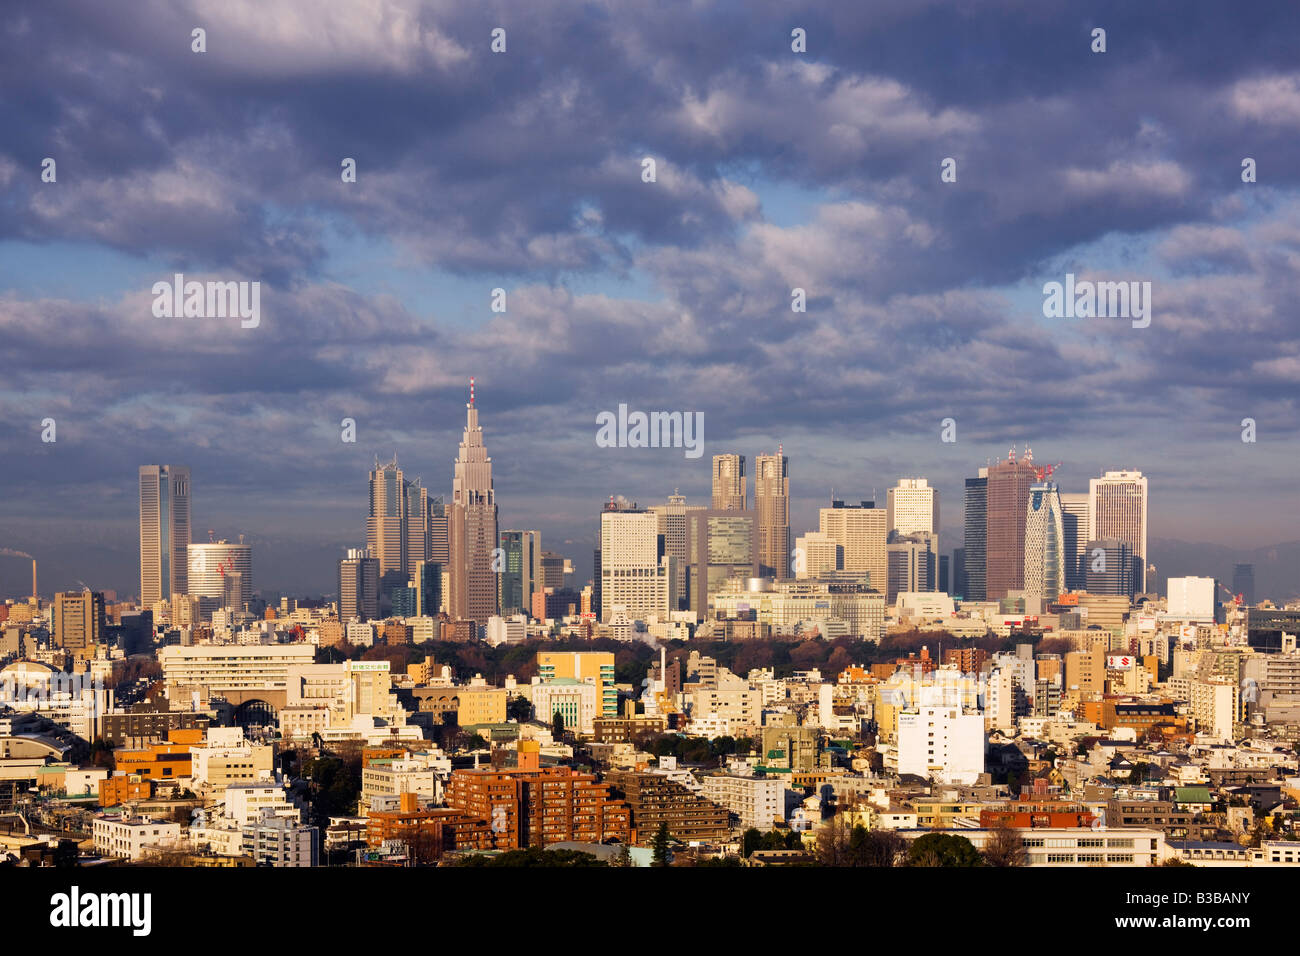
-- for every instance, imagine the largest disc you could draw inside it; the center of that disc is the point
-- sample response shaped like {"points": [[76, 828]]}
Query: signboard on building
{"points": [[1120, 662]]}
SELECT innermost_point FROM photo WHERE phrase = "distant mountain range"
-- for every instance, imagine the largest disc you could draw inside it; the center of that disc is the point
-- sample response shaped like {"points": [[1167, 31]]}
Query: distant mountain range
{"points": [[1277, 567]]}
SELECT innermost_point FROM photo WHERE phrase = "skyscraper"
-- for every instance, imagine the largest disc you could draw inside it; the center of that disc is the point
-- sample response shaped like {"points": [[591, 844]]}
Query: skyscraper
{"points": [[976, 525], [861, 533], [1044, 574], [1117, 508], [913, 506], [1109, 567], [674, 519], [521, 571], [438, 534], [472, 526], [1008, 505], [358, 586], [1078, 532], [772, 503], [419, 540], [637, 576], [1243, 582], [729, 492], [164, 532], [721, 545], [386, 521], [912, 563]]}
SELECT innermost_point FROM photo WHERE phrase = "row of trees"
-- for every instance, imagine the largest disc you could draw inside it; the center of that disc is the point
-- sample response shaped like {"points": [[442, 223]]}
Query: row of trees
{"points": [[840, 844], [632, 659]]}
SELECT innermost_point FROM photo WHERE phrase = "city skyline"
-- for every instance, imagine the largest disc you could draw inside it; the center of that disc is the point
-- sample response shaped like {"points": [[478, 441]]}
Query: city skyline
{"points": [[950, 539], [923, 297]]}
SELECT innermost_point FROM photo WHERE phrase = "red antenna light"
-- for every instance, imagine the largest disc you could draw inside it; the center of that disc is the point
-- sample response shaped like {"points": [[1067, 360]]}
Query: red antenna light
{"points": [[471, 390]]}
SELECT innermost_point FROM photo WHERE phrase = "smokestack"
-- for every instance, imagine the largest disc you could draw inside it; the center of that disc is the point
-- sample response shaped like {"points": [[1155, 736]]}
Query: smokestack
{"points": [[34, 597]]}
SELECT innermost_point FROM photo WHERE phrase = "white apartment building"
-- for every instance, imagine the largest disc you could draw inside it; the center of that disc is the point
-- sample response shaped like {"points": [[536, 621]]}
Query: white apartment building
{"points": [[1214, 706], [942, 743], [245, 802], [361, 633], [913, 506], [742, 707], [275, 840], [759, 802], [391, 777], [128, 837]]}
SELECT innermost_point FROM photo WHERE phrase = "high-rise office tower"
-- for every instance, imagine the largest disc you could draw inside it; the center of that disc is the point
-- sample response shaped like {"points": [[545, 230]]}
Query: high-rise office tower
{"points": [[358, 586], [821, 555], [912, 563], [721, 545], [913, 506], [976, 542], [521, 571], [636, 573], [419, 540], [1044, 575], [772, 504], [164, 532], [674, 519], [1109, 567], [554, 568], [729, 492], [212, 566], [1117, 508], [77, 620], [439, 550], [958, 582], [386, 521], [426, 582], [472, 526], [1243, 582], [861, 533], [1008, 505], [1078, 532]]}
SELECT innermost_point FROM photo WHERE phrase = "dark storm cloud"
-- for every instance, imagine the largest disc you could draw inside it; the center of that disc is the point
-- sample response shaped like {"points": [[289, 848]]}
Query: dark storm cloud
{"points": [[526, 168]]}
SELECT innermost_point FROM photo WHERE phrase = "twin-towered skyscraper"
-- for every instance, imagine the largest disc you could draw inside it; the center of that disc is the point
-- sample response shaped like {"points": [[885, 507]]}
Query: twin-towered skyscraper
{"points": [[771, 504]]}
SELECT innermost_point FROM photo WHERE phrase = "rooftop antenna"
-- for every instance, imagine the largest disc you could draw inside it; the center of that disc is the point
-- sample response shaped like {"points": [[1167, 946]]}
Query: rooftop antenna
{"points": [[471, 389]]}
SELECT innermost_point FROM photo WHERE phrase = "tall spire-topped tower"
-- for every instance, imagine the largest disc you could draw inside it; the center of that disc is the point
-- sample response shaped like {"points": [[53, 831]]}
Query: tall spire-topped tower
{"points": [[472, 527]]}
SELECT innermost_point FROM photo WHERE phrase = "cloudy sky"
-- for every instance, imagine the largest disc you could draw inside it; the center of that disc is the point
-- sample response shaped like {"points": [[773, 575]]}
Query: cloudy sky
{"points": [[522, 170]]}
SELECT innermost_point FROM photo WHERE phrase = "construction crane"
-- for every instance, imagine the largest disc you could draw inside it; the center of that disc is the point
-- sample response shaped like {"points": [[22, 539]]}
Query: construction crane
{"points": [[1237, 599], [1046, 471]]}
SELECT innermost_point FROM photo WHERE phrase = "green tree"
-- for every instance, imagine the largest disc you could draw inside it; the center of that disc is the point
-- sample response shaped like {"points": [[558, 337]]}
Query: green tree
{"points": [[943, 849], [662, 854], [750, 841], [520, 709], [557, 725]]}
